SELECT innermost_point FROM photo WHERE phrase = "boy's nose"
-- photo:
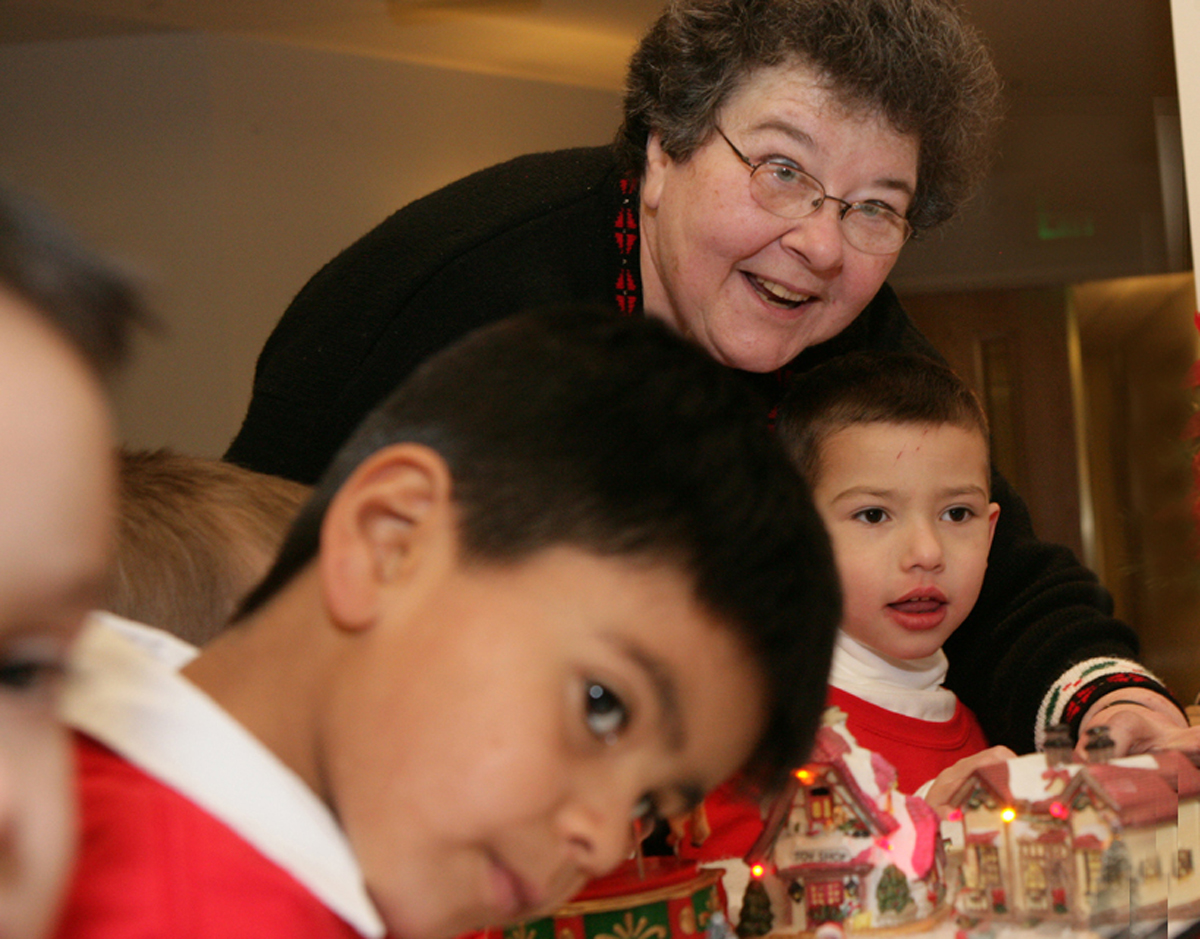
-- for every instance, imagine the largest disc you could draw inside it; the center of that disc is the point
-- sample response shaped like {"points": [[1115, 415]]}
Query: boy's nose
{"points": [[599, 831], [923, 548], [817, 238]]}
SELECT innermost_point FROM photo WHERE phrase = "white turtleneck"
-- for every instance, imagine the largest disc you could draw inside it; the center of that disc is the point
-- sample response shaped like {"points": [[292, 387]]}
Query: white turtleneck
{"points": [[912, 687]]}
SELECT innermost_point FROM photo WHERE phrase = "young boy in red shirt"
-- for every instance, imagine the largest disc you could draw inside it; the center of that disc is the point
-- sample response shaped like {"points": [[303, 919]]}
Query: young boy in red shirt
{"points": [[895, 449], [548, 590]]}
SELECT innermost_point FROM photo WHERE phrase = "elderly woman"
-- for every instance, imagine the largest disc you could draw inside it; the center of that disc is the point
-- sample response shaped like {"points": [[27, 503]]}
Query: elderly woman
{"points": [[774, 158]]}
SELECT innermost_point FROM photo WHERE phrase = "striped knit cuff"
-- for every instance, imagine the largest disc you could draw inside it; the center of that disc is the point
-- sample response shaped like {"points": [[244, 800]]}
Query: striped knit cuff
{"points": [[1077, 688]]}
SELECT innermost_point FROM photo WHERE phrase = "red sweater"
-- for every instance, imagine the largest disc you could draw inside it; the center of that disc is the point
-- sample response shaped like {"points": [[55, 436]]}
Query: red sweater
{"points": [[153, 865], [918, 749]]}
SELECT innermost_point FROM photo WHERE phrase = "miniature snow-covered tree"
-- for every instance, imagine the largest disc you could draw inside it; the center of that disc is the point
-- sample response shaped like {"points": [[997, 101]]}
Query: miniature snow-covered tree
{"points": [[893, 894], [756, 918]]}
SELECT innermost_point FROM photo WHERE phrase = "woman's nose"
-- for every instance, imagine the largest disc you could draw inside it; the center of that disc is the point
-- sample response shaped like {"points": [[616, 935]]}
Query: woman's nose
{"points": [[817, 238]]}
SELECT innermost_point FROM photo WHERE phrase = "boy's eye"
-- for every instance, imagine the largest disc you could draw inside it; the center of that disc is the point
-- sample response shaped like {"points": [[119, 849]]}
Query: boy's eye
{"points": [[958, 513], [645, 815], [30, 675], [872, 516], [606, 713]]}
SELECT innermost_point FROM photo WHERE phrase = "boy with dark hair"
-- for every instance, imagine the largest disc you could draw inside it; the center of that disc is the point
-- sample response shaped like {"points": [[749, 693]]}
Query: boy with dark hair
{"points": [[64, 321], [506, 627], [895, 449]]}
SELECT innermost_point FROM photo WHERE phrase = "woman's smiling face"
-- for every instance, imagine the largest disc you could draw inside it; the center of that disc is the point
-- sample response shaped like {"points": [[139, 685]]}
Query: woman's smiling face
{"points": [[750, 287]]}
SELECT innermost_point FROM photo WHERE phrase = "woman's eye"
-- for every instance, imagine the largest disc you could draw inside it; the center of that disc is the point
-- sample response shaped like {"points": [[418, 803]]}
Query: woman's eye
{"points": [[958, 513], [784, 173], [606, 713], [871, 516]]}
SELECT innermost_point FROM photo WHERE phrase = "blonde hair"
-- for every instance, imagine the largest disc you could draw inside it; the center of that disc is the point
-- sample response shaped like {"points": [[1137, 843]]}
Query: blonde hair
{"points": [[195, 535]]}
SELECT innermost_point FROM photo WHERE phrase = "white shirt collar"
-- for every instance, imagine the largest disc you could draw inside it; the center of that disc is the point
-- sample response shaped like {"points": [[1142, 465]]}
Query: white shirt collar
{"points": [[127, 693], [910, 687]]}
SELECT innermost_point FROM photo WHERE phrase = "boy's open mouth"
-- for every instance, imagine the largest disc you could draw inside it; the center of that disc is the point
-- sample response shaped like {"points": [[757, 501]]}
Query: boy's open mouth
{"points": [[918, 605]]}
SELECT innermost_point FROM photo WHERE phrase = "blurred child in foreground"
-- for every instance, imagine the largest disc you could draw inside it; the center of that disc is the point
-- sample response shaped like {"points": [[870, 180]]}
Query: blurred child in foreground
{"points": [[64, 322]]}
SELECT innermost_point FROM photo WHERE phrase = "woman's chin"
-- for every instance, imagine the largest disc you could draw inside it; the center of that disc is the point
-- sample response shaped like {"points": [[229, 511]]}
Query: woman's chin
{"points": [[750, 358]]}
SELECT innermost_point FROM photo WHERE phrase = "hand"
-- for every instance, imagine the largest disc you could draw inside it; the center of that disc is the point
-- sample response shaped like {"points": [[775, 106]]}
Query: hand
{"points": [[1138, 721], [949, 779]]}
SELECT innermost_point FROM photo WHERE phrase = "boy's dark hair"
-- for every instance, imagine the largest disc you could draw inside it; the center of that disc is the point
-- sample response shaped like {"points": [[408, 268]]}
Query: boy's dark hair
{"points": [[869, 388], [194, 536], [915, 62], [614, 435], [87, 300]]}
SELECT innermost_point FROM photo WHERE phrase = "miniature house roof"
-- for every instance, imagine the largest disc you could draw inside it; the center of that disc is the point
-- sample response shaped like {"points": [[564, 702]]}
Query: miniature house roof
{"points": [[864, 775], [1141, 790], [1139, 797], [904, 828], [1179, 772]]}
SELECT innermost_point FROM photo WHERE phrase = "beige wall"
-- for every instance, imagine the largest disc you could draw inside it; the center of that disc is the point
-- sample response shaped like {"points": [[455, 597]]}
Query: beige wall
{"points": [[227, 171]]}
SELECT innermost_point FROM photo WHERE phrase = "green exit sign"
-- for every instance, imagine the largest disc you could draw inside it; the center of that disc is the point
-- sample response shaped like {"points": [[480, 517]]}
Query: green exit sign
{"points": [[1053, 225]]}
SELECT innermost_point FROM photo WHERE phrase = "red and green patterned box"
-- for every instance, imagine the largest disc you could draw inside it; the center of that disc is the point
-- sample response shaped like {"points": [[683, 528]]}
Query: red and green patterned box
{"points": [[672, 899]]}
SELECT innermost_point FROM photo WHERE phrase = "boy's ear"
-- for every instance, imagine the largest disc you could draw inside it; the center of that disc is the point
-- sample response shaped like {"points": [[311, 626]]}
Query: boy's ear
{"points": [[393, 515], [993, 516]]}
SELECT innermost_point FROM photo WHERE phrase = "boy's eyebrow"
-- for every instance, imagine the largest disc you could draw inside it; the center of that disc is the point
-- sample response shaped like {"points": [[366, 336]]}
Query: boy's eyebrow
{"points": [[880, 493], [967, 490], [869, 491], [665, 690]]}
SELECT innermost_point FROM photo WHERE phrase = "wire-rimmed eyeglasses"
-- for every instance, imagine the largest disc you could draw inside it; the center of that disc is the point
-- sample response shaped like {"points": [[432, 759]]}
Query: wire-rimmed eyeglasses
{"points": [[785, 190]]}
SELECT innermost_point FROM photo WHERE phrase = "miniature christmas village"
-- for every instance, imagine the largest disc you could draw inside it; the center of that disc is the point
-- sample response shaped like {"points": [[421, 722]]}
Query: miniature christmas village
{"points": [[1038, 845], [1034, 840]]}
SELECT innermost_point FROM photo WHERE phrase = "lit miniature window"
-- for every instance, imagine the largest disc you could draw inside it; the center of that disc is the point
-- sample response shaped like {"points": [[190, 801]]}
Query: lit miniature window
{"points": [[820, 810]]}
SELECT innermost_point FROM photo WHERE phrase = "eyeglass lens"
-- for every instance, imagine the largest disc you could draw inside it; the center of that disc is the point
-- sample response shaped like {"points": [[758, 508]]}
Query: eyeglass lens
{"points": [[790, 193]]}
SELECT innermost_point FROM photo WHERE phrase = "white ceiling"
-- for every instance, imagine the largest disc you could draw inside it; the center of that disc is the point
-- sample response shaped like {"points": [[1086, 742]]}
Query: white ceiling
{"points": [[1043, 47]]}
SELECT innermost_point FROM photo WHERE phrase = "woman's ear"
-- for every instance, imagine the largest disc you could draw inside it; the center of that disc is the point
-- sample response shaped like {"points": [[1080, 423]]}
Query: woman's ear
{"points": [[393, 515], [657, 163]]}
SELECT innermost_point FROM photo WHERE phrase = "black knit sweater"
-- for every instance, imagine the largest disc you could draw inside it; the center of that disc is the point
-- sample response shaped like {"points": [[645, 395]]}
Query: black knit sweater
{"points": [[558, 226]]}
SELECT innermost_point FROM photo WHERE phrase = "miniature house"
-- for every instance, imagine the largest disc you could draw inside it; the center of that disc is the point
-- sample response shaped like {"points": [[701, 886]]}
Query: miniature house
{"points": [[842, 845], [1079, 842]]}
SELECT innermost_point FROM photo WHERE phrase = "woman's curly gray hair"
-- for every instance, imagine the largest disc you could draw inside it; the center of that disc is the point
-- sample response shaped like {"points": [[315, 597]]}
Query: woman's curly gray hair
{"points": [[916, 62]]}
